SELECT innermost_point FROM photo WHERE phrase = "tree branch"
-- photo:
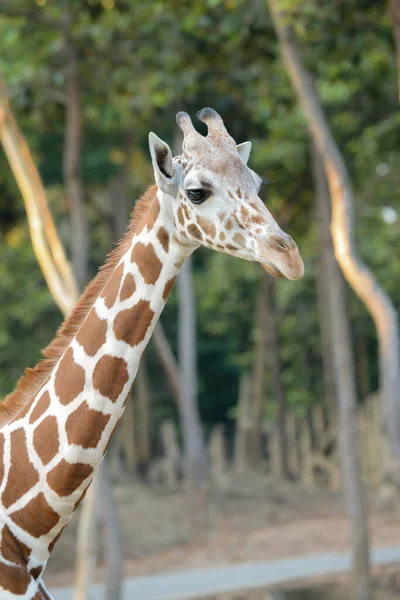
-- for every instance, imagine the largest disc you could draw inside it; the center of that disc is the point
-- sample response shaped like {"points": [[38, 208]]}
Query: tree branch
{"points": [[354, 269], [46, 243]]}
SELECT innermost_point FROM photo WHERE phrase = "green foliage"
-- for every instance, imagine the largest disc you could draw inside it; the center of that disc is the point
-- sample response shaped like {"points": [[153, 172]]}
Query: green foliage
{"points": [[140, 62]]}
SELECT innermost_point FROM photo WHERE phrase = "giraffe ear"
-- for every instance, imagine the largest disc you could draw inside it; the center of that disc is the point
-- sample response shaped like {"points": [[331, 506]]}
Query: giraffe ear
{"points": [[244, 151], [164, 168]]}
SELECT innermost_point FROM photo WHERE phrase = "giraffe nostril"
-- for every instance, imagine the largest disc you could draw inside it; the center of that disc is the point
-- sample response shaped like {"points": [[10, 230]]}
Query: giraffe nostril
{"points": [[283, 243]]}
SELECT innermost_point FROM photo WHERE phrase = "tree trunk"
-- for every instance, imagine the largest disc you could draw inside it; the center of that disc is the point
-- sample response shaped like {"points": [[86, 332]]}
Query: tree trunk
{"points": [[193, 442], [355, 271], [128, 437], [142, 416], [366, 287], [80, 261], [326, 264], [395, 13], [72, 158], [242, 417], [272, 339], [59, 277], [362, 365], [168, 362], [119, 195], [86, 545], [45, 241], [112, 537], [257, 383]]}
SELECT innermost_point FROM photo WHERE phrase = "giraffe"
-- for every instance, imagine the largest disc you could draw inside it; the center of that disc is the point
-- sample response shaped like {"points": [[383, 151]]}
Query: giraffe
{"points": [[56, 426]]}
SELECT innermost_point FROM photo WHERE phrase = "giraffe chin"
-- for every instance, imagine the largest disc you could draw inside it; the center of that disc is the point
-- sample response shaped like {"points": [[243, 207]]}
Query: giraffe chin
{"points": [[272, 270]]}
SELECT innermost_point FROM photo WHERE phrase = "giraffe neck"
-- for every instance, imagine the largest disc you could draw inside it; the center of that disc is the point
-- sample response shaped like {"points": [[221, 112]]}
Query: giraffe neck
{"points": [[53, 447]]}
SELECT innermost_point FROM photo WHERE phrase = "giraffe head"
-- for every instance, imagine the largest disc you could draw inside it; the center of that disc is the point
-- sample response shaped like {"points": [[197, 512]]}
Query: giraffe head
{"points": [[215, 197]]}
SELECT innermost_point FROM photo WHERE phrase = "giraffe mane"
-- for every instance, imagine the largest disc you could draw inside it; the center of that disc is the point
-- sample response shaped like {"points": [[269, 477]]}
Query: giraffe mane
{"points": [[33, 378]]}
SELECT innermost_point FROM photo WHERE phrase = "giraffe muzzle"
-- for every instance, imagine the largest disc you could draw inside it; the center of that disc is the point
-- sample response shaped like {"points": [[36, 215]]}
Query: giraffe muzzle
{"points": [[281, 257]]}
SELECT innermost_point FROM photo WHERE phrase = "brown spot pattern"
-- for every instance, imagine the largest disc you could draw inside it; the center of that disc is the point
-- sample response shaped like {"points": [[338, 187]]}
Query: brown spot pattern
{"points": [[110, 375], [128, 287], [228, 224], [45, 439], [14, 579], [65, 478], [17, 486], [36, 572], [41, 406], [180, 216], [12, 549], [37, 517], [1, 457], [244, 213], [186, 211], [132, 324], [230, 247], [70, 378], [147, 261], [222, 236], [257, 218], [195, 231], [85, 426], [239, 239], [168, 287], [239, 193], [92, 334], [207, 226], [151, 215], [111, 290], [163, 238]]}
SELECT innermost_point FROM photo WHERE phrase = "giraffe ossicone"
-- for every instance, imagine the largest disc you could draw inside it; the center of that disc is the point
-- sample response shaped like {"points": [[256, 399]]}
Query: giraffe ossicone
{"points": [[56, 426]]}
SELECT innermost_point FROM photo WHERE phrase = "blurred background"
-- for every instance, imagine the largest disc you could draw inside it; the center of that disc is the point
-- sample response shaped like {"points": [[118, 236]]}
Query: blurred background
{"points": [[84, 82]]}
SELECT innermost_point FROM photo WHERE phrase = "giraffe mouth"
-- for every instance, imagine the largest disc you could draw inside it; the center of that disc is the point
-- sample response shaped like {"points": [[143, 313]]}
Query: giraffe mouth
{"points": [[272, 270]]}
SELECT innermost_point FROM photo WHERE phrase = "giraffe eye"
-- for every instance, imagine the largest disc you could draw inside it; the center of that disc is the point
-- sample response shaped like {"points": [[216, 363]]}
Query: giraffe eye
{"points": [[197, 196]]}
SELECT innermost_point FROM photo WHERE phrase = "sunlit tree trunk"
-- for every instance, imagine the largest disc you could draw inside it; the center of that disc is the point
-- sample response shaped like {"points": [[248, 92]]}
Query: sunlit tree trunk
{"points": [[363, 283], [45, 241], [354, 269]]}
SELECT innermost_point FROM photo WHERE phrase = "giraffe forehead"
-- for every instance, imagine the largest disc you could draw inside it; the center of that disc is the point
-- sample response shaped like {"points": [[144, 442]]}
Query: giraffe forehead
{"points": [[231, 175], [218, 162]]}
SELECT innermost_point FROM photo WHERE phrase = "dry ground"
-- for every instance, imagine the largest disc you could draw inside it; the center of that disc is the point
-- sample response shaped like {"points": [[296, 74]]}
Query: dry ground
{"points": [[258, 519]]}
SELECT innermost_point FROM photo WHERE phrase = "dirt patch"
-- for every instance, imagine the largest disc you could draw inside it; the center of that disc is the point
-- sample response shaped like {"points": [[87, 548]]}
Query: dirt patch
{"points": [[258, 519]]}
